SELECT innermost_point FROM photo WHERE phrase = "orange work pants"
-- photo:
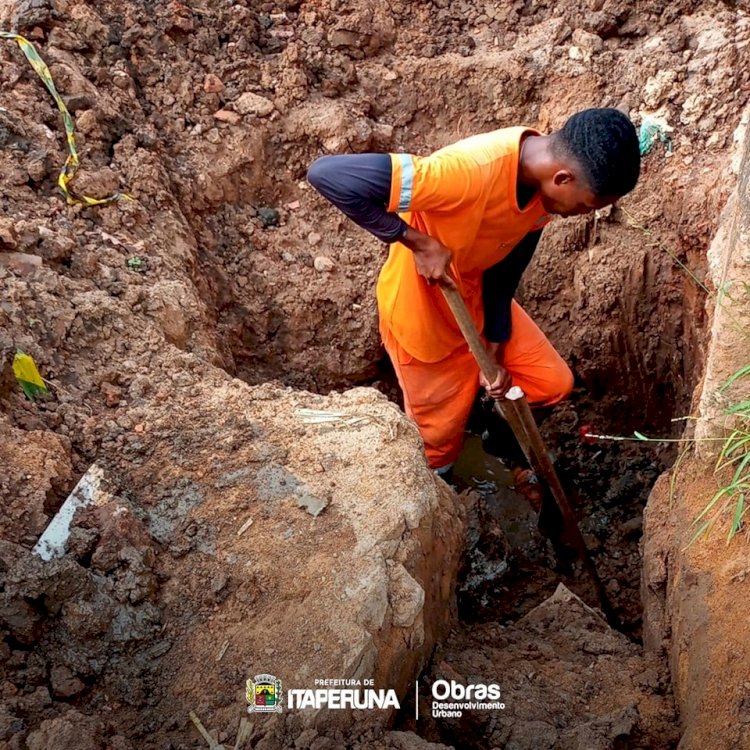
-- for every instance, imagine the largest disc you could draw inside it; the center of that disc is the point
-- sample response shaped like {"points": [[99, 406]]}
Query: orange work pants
{"points": [[438, 396]]}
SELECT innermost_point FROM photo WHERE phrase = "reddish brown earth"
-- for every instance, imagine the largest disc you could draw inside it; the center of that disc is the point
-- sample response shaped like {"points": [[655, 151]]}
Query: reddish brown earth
{"points": [[141, 359], [694, 590], [569, 681]]}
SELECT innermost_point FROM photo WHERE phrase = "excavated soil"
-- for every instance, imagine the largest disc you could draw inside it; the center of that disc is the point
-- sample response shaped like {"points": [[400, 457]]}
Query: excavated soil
{"points": [[569, 681], [146, 315]]}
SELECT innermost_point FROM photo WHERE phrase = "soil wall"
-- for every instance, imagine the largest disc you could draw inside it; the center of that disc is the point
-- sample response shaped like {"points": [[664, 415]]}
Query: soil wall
{"points": [[695, 594]]}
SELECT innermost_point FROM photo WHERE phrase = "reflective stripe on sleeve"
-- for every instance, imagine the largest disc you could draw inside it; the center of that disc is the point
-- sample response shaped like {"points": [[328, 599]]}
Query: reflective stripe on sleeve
{"points": [[407, 181]]}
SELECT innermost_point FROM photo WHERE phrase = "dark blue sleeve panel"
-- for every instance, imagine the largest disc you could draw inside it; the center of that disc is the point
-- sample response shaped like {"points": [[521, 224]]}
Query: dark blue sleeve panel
{"points": [[499, 284], [359, 185]]}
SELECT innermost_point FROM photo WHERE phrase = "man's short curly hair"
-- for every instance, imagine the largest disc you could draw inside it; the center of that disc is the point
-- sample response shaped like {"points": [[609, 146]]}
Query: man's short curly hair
{"points": [[605, 145]]}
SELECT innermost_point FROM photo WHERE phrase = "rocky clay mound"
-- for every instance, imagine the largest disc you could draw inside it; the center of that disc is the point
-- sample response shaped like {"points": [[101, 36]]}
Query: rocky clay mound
{"points": [[208, 114], [227, 537]]}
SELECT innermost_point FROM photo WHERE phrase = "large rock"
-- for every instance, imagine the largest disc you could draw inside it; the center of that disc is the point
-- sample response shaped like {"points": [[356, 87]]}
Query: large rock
{"points": [[347, 570], [253, 104], [242, 534]]}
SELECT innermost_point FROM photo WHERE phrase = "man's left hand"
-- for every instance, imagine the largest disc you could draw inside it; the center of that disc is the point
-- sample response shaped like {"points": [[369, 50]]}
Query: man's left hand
{"points": [[500, 386], [503, 381]]}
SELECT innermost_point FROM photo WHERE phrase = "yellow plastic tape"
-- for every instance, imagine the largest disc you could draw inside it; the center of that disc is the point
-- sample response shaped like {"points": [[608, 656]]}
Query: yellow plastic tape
{"points": [[27, 375], [71, 163]]}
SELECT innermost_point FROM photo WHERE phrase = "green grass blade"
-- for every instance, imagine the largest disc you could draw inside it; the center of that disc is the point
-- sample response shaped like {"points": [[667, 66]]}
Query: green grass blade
{"points": [[739, 511], [741, 468], [742, 408], [730, 460], [735, 442], [717, 496], [734, 377]]}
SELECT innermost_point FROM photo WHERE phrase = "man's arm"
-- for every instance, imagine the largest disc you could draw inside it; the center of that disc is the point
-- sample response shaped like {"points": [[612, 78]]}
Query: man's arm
{"points": [[359, 185], [371, 188], [499, 284]]}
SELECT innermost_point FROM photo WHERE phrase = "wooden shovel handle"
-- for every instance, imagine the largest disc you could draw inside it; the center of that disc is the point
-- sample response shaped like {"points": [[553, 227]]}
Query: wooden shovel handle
{"points": [[469, 330], [486, 363], [518, 414]]}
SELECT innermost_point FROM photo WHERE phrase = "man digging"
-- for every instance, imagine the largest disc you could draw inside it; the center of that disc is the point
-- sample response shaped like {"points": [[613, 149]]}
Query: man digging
{"points": [[470, 216]]}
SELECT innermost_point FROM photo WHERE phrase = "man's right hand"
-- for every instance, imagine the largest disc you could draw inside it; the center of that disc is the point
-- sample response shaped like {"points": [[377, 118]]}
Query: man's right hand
{"points": [[431, 257]]}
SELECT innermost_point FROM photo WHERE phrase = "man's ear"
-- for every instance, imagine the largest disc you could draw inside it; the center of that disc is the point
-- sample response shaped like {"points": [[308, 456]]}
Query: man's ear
{"points": [[562, 177]]}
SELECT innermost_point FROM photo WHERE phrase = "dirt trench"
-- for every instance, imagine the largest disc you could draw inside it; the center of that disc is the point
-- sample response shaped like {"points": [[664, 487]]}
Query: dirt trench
{"points": [[178, 329]]}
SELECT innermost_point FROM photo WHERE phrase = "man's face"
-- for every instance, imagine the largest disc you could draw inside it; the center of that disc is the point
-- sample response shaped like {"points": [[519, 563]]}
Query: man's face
{"points": [[567, 195]]}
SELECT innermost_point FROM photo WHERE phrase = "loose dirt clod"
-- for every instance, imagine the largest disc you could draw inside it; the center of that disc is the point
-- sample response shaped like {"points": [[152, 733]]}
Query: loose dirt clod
{"points": [[568, 681]]}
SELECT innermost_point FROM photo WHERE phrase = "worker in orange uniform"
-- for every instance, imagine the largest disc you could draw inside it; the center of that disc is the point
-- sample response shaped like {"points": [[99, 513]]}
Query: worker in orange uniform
{"points": [[470, 215]]}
